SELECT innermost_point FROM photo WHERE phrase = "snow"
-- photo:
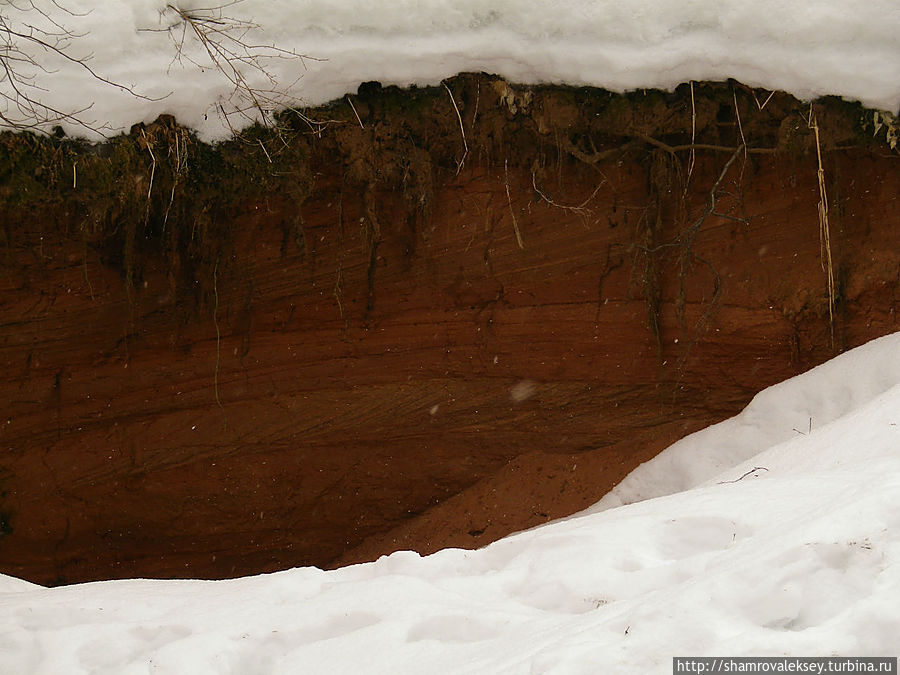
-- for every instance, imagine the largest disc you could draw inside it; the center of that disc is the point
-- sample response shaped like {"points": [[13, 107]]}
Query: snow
{"points": [[799, 557], [774, 416], [776, 532], [807, 48]]}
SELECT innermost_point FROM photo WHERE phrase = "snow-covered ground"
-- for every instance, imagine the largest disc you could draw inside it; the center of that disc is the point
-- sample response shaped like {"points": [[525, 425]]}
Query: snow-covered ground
{"points": [[808, 48], [776, 532], [779, 537]]}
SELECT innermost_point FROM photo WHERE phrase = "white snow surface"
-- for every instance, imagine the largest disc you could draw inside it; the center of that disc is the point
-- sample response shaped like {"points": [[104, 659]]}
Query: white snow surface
{"points": [[775, 416], [799, 557], [810, 49]]}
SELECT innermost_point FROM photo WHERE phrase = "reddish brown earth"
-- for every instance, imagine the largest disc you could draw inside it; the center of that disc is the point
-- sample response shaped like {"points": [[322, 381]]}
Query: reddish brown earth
{"points": [[414, 378]]}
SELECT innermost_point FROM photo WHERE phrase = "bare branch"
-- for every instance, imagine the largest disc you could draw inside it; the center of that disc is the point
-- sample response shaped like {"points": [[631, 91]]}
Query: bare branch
{"points": [[751, 472], [34, 37], [26, 50], [226, 46]]}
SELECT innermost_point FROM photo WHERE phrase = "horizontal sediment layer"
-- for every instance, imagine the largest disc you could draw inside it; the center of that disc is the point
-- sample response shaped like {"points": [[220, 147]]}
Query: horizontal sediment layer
{"points": [[433, 319]]}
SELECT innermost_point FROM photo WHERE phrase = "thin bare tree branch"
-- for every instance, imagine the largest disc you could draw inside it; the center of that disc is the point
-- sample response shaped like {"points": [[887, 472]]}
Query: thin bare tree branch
{"points": [[34, 38], [226, 46], [27, 50]]}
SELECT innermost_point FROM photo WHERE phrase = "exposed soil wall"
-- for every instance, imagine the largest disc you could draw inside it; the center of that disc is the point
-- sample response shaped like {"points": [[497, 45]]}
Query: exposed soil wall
{"points": [[426, 319]]}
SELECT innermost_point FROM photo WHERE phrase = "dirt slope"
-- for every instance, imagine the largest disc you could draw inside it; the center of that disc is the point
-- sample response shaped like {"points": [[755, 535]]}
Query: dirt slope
{"points": [[414, 329]]}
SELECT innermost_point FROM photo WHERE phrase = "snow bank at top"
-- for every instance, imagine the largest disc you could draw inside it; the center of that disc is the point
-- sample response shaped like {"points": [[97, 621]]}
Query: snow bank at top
{"points": [[809, 49], [806, 405], [801, 560]]}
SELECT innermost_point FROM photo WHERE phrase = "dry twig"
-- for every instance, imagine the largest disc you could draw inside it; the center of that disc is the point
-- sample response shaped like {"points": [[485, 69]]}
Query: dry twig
{"points": [[227, 44], [31, 40], [748, 473]]}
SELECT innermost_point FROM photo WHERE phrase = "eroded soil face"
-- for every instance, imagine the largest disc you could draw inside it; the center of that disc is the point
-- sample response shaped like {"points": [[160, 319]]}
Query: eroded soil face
{"points": [[437, 330]]}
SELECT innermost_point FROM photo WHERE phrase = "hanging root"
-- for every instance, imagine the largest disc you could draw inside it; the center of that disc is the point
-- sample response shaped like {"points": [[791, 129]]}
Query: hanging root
{"points": [[511, 212], [462, 130], [824, 230], [218, 341]]}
